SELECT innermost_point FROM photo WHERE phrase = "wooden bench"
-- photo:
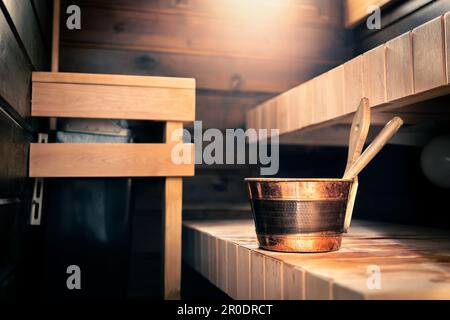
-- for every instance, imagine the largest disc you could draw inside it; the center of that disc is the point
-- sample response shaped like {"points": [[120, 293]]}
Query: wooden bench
{"points": [[395, 77], [171, 100], [376, 261]]}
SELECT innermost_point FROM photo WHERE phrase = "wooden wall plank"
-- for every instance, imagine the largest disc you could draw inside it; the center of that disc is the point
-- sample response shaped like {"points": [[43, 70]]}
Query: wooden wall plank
{"points": [[428, 55], [273, 279], [112, 102], [399, 67], [374, 75], [16, 72], [14, 157], [293, 283], [235, 74], [353, 84], [257, 271], [44, 14], [105, 160], [232, 38], [244, 274], [26, 24], [298, 13]]}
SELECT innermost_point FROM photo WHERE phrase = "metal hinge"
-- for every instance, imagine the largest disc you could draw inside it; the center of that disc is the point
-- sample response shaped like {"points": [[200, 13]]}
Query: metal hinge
{"points": [[38, 191]]}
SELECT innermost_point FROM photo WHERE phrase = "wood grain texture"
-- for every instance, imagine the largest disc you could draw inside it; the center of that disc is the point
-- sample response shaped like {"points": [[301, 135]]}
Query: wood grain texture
{"points": [[172, 237], [26, 24], [353, 84], [232, 270], [172, 216], [257, 276], [213, 260], [374, 75], [394, 249], [243, 278], [404, 71], [447, 45], [428, 55], [114, 80], [273, 279], [317, 288], [223, 265], [112, 102], [105, 160], [16, 71], [168, 32], [335, 92], [230, 74], [293, 283], [319, 106], [56, 35]]}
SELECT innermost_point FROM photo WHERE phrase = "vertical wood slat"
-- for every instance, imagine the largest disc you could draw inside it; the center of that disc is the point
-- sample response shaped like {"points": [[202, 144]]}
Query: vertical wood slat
{"points": [[335, 92], [172, 227], [273, 279], [222, 268], [319, 103], [293, 283], [257, 271], [428, 55], [232, 269], [374, 75], [244, 272], [55, 35], [353, 84], [212, 271], [399, 67], [447, 45], [204, 249]]}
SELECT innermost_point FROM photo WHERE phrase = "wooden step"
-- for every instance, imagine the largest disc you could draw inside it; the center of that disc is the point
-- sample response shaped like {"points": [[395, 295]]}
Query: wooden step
{"points": [[409, 69]]}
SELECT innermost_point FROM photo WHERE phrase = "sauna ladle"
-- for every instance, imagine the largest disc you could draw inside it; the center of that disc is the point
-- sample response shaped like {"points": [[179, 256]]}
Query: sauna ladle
{"points": [[371, 151], [358, 134]]}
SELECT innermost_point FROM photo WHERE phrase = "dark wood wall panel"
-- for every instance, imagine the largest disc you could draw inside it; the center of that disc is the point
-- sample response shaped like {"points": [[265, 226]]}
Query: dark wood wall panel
{"points": [[43, 9], [398, 19], [26, 23], [270, 38], [210, 72], [14, 157], [15, 73]]}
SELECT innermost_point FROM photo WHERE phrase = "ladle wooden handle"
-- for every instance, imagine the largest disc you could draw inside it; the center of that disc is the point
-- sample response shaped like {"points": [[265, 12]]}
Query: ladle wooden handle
{"points": [[358, 132], [377, 144]]}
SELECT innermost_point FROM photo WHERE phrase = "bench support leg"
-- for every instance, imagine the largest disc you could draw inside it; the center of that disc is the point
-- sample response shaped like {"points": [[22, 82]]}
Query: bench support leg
{"points": [[173, 198]]}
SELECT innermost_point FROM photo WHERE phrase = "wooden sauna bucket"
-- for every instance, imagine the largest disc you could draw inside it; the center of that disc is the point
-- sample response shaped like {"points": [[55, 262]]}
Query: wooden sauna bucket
{"points": [[301, 215]]}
